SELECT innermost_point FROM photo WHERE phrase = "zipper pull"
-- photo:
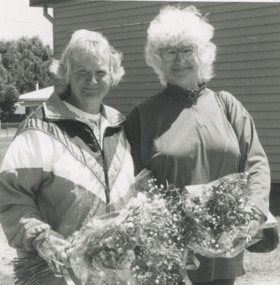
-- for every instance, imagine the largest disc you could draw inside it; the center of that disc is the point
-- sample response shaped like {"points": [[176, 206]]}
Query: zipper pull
{"points": [[193, 96]]}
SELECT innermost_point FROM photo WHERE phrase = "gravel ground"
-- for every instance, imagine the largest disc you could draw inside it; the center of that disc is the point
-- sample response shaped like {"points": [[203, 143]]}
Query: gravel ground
{"points": [[6, 255]]}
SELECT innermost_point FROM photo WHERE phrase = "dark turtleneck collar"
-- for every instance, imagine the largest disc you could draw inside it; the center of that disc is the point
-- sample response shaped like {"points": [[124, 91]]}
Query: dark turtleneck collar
{"points": [[191, 94]]}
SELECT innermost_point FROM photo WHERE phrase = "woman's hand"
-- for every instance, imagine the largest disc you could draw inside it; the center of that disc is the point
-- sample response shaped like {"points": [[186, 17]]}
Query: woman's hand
{"points": [[52, 247], [254, 225]]}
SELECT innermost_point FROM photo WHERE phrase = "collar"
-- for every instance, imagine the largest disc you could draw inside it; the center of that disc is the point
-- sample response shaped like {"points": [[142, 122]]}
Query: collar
{"points": [[82, 114], [191, 94], [56, 110]]}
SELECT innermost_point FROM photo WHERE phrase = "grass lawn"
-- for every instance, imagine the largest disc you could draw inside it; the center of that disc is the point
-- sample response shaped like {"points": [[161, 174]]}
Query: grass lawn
{"points": [[6, 280], [257, 265], [4, 143], [264, 263]]}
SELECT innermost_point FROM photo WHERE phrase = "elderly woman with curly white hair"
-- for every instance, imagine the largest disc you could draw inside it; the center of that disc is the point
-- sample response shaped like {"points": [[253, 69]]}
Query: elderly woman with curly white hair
{"points": [[189, 134], [69, 158]]}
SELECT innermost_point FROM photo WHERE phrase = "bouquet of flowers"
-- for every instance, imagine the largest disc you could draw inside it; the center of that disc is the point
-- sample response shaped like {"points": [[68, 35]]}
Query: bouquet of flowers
{"points": [[220, 213], [143, 243], [148, 240]]}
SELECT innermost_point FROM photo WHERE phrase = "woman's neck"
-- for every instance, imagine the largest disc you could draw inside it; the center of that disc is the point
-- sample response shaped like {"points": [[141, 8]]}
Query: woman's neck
{"points": [[91, 107], [187, 85]]}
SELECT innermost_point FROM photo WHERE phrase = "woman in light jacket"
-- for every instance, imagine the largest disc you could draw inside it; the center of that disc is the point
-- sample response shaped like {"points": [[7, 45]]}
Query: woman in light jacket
{"points": [[69, 158]]}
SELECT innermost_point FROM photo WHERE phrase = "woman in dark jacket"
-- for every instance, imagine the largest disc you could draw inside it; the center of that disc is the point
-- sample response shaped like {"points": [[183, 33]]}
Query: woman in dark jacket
{"points": [[188, 134]]}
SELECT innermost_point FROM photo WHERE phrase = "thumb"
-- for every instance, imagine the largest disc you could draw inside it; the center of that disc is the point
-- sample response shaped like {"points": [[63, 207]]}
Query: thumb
{"points": [[254, 227]]}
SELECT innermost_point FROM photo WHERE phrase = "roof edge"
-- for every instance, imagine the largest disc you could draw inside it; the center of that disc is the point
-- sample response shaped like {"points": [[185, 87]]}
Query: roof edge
{"points": [[51, 3], [40, 3]]}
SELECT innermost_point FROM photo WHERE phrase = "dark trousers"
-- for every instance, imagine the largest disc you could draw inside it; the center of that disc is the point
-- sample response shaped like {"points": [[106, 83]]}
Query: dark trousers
{"points": [[216, 282]]}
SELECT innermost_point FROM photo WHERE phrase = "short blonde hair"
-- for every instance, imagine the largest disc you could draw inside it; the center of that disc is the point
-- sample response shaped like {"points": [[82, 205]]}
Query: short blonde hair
{"points": [[89, 45], [175, 26]]}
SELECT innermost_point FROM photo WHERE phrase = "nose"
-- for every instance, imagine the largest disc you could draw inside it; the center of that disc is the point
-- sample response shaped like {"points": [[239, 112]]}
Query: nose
{"points": [[180, 56], [91, 78]]}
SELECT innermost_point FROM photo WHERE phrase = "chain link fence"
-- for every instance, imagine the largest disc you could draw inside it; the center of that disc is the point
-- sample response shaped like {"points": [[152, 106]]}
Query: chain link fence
{"points": [[8, 129]]}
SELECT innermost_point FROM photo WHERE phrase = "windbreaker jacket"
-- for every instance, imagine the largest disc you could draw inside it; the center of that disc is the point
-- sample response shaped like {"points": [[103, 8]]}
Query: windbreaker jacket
{"points": [[189, 138], [54, 173]]}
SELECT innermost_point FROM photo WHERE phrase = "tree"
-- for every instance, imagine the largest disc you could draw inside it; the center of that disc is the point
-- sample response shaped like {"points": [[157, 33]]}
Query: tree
{"points": [[8, 93], [8, 97], [23, 63]]}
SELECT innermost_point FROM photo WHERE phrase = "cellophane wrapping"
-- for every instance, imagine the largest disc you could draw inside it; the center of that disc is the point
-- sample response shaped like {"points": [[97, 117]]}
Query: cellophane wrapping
{"points": [[142, 243], [220, 214]]}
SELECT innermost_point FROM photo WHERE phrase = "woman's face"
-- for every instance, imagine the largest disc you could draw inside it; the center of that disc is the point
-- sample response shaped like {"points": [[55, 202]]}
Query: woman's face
{"points": [[179, 66], [89, 83]]}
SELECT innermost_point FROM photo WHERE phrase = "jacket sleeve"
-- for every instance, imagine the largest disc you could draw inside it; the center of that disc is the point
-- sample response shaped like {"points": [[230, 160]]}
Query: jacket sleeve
{"points": [[132, 130], [253, 158], [20, 179]]}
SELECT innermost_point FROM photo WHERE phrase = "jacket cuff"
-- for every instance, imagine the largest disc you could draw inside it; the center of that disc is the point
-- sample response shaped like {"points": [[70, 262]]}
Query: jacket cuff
{"points": [[261, 216], [32, 228]]}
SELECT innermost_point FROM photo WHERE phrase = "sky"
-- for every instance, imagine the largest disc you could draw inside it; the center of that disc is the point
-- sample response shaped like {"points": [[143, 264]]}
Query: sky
{"points": [[17, 19]]}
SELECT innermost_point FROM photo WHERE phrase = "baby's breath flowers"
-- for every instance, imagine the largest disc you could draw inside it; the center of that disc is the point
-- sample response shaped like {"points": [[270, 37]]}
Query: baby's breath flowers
{"points": [[160, 241], [148, 240], [142, 244], [220, 211], [102, 252]]}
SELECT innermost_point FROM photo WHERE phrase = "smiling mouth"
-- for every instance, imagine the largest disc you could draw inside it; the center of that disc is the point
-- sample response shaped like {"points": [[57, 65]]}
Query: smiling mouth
{"points": [[91, 87], [181, 68]]}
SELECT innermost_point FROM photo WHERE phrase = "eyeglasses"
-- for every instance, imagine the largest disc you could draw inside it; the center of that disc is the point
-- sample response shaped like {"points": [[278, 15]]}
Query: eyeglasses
{"points": [[170, 54]]}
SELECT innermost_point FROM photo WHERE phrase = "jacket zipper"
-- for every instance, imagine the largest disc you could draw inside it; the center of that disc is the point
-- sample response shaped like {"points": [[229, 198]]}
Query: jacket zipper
{"points": [[105, 168], [193, 96]]}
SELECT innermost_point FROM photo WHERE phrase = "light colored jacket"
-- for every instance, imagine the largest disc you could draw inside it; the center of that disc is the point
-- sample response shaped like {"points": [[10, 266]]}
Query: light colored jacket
{"points": [[54, 173]]}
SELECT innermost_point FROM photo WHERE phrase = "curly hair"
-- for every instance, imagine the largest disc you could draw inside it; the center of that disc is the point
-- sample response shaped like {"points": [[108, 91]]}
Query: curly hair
{"points": [[92, 46], [175, 26]]}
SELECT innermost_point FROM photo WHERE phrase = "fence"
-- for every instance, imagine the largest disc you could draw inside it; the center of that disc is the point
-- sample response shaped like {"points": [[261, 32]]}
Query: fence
{"points": [[8, 129]]}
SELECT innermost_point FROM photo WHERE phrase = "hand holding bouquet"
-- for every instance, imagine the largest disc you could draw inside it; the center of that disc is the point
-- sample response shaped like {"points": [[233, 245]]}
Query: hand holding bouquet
{"points": [[103, 250], [147, 240], [221, 216], [141, 244]]}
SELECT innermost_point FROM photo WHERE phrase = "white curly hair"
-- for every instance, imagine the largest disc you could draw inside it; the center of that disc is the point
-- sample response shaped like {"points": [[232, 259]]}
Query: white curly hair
{"points": [[92, 46], [177, 26]]}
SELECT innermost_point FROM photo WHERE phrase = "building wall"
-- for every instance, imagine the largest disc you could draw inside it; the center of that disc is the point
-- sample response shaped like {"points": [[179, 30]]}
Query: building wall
{"points": [[248, 59]]}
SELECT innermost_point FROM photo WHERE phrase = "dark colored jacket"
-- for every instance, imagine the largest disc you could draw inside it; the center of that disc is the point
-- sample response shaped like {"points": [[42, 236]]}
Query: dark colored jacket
{"points": [[188, 142]]}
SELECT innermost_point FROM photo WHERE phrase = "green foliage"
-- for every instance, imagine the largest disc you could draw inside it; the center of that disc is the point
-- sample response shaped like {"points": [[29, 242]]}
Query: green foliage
{"points": [[23, 63], [8, 98]]}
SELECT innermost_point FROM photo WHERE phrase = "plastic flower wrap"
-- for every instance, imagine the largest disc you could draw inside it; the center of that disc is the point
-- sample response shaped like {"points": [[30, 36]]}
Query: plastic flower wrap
{"points": [[103, 251], [147, 241], [219, 212], [140, 244]]}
